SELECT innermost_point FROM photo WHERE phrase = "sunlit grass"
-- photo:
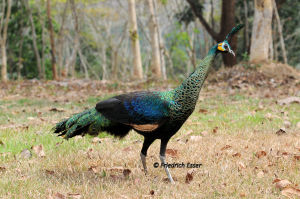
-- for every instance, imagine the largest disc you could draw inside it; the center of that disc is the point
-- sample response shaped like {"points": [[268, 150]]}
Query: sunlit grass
{"points": [[238, 120]]}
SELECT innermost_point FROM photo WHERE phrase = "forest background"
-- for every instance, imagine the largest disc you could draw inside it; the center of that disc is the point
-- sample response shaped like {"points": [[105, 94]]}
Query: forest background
{"points": [[132, 40]]}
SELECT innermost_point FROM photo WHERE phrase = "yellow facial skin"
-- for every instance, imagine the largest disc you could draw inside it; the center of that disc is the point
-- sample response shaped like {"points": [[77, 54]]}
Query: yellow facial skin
{"points": [[220, 47]]}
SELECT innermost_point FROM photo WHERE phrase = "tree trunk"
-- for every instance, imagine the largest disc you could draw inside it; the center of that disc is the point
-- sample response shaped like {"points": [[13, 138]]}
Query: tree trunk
{"points": [[212, 14], [261, 31], [84, 64], [161, 44], [52, 42], [20, 60], [137, 62], [155, 58], [280, 32], [246, 33], [72, 61], [275, 44], [104, 64], [43, 48], [42, 21], [34, 41], [70, 65], [4, 63], [115, 53], [3, 38], [102, 45], [227, 23], [60, 43]]}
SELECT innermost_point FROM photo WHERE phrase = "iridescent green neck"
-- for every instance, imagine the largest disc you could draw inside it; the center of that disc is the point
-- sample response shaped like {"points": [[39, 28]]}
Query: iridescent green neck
{"points": [[199, 75], [189, 90]]}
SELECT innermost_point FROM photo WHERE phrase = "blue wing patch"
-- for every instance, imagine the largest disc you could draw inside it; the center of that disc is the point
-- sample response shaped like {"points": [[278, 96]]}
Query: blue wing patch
{"points": [[146, 109], [137, 108]]}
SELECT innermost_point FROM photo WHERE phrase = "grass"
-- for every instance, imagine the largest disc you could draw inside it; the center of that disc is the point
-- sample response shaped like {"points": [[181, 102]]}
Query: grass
{"points": [[246, 124]]}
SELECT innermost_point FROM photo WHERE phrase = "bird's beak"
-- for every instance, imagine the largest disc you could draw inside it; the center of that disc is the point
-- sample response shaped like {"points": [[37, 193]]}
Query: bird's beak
{"points": [[231, 51]]}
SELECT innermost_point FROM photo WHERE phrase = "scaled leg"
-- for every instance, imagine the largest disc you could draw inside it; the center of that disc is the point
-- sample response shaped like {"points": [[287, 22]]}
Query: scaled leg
{"points": [[162, 155], [146, 144]]}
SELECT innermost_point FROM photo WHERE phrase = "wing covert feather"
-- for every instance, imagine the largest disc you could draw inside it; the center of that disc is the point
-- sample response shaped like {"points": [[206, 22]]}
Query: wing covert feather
{"points": [[137, 108]]}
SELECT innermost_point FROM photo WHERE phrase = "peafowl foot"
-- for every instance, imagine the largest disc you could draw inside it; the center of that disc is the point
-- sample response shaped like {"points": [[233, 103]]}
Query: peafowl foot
{"points": [[143, 158], [163, 161]]}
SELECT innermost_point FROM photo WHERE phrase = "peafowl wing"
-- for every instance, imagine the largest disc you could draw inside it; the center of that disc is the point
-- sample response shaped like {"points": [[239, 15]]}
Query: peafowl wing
{"points": [[144, 111]]}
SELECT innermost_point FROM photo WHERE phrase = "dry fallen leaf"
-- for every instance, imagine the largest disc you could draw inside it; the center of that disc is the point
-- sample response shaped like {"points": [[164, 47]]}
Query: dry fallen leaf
{"points": [[30, 118], [189, 176], [204, 111], [58, 143], [137, 181], [172, 152], [91, 154], [285, 153], [281, 184], [152, 192], [25, 154], [297, 157], [195, 138], [188, 132], [236, 155], [96, 140], [184, 135], [126, 172], [269, 116], [74, 195], [291, 192], [56, 110], [260, 154], [225, 147], [39, 132], [39, 150], [2, 168], [77, 137], [204, 133], [57, 196], [287, 124], [116, 177], [126, 197], [49, 172], [260, 106], [281, 131], [167, 179], [127, 149], [116, 169], [215, 129], [289, 100], [260, 174], [95, 169]]}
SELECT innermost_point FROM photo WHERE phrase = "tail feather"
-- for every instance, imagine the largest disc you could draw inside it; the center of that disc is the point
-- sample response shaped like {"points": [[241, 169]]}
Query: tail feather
{"points": [[60, 127], [89, 122], [78, 124]]}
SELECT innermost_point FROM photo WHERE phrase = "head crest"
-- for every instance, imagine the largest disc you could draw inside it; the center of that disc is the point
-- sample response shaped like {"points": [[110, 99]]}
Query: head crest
{"points": [[233, 31]]}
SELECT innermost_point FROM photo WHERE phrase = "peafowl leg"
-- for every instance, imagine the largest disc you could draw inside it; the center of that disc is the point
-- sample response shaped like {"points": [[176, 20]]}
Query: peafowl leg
{"points": [[143, 158], [146, 144], [162, 155]]}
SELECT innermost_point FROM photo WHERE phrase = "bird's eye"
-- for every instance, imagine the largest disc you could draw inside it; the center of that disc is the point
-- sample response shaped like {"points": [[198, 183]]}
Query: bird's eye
{"points": [[225, 46]]}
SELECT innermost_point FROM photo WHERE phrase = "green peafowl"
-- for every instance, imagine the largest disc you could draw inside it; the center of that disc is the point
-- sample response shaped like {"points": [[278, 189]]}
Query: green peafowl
{"points": [[155, 115]]}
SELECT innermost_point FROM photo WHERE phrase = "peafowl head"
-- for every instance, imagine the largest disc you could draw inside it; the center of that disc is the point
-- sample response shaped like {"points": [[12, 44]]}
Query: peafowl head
{"points": [[224, 46]]}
